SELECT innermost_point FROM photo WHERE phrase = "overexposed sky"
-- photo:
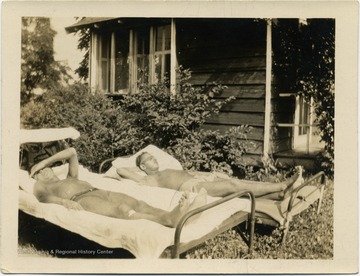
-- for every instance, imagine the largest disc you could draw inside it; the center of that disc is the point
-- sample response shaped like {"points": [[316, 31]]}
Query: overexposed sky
{"points": [[65, 45]]}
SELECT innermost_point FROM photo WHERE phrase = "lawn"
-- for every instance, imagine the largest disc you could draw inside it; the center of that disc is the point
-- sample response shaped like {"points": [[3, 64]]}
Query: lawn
{"points": [[310, 237]]}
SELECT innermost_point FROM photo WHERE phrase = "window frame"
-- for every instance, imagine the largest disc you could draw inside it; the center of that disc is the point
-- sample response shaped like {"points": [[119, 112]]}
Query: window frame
{"points": [[301, 133], [96, 59]]}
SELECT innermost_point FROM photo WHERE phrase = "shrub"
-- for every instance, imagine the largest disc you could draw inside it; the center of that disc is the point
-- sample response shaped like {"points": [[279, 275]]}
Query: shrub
{"points": [[105, 130], [270, 171], [173, 122], [162, 118], [206, 150], [151, 116]]}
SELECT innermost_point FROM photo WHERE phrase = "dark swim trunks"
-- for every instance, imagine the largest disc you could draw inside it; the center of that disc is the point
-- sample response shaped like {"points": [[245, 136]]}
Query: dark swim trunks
{"points": [[76, 196]]}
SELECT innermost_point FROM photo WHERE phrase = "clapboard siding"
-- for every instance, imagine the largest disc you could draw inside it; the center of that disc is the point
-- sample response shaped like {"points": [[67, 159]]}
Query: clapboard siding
{"points": [[245, 105], [252, 119], [233, 53], [245, 54], [256, 133], [232, 118], [229, 78], [228, 64], [244, 91]]}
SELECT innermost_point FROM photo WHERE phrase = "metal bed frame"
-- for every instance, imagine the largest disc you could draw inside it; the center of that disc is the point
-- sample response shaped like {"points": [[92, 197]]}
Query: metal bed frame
{"points": [[178, 248]]}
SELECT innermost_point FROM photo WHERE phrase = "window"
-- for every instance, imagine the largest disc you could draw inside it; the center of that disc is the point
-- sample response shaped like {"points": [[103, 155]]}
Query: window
{"points": [[121, 75], [141, 54], [127, 58], [104, 53], [304, 116], [162, 52]]}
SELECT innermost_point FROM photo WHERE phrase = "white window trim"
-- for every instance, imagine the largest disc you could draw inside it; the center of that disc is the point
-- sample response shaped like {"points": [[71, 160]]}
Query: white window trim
{"points": [[300, 140], [95, 69]]}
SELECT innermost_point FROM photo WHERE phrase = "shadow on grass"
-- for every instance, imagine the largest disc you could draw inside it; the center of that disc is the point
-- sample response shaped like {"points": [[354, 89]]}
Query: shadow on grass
{"points": [[39, 236]]}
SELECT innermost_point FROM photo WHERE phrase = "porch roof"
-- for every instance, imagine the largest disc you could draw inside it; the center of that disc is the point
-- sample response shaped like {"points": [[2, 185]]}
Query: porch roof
{"points": [[86, 22]]}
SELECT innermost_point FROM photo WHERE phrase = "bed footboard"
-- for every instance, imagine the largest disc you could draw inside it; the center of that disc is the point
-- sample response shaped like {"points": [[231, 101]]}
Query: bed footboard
{"points": [[229, 223]]}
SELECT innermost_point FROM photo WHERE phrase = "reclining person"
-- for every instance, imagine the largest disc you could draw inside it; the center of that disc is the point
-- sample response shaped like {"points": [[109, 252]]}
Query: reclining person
{"points": [[213, 183], [80, 195]]}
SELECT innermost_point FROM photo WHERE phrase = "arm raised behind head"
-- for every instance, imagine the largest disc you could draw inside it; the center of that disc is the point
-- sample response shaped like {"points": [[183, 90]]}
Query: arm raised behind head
{"points": [[130, 173], [69, 155]]}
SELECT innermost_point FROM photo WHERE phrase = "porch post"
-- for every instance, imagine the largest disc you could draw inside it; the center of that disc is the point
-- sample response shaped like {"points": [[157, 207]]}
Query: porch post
{"points": [[93, 63], [112, 64], [267, 123], [173, 60]]}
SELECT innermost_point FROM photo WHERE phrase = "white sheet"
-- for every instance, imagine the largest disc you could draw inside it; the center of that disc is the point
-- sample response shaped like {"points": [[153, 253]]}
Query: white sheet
{"points": [[143, 238], [47, 134]]}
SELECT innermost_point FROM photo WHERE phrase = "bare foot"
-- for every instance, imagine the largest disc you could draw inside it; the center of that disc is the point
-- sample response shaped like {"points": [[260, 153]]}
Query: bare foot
{"points": [[298, 174], [295, 183]]}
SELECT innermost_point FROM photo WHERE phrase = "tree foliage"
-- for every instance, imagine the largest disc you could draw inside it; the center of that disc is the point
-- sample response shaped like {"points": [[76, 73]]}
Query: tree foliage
{"points": [[305, 63], [102, 125], [38, 66], [83, 45]]}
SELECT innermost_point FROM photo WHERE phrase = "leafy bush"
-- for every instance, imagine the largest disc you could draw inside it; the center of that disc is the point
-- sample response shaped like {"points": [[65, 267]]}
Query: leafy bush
{"points": [[270, 171], [105, 130], [151, 116], [173, 122], [163, 118], [211, 151]]}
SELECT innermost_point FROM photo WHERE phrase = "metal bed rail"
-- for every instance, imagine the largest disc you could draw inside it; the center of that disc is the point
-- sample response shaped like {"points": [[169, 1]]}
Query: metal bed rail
{"points": [[176, 248]]}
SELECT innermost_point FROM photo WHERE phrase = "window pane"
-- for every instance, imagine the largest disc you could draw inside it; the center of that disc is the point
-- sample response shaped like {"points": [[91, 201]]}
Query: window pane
{"points": [[158, 62], [163, 38], [104, 62], [142, 55], [304, 116], [142, 69], [121, 61], [159, 38], [105, 75], [167, 37], [143, 42], [167, 65], [105, 45]]}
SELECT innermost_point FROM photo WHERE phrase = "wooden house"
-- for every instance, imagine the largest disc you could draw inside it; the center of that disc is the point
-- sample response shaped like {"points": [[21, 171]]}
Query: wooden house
{"points": [[237, 53]]}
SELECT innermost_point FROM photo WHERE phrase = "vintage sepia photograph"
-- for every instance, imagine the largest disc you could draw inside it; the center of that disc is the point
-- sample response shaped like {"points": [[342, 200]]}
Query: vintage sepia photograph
{"points": [[208, 138]]}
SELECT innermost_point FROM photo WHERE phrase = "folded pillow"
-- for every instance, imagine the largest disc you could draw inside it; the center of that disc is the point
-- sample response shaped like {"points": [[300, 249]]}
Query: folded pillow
{"points": [[165, 161]]}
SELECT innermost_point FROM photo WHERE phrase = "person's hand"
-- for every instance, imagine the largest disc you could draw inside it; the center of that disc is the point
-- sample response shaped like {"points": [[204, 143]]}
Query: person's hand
{"points": [[71, 205], [37, 167]]}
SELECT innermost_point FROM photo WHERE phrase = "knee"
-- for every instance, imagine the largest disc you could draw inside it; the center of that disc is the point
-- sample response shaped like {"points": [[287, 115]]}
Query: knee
{"points": [[121, 211]]}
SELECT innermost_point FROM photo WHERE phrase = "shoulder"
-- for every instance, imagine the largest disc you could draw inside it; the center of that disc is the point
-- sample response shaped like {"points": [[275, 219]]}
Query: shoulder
{"points": [[40, 189]]}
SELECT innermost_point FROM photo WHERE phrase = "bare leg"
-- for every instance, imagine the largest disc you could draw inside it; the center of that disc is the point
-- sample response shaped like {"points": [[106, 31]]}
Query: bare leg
{"points": [[130, 208], [226, 187]]}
